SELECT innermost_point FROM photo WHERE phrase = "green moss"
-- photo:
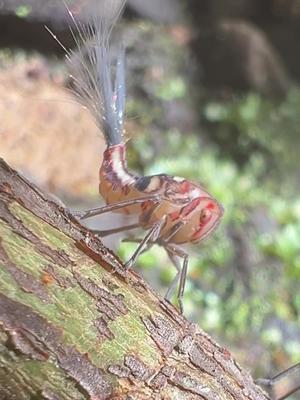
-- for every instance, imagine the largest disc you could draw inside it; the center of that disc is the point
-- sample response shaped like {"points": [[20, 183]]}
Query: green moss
{"points": [[128, 330], [23, 11], [32, 375], [72, 309], [45, 232]]}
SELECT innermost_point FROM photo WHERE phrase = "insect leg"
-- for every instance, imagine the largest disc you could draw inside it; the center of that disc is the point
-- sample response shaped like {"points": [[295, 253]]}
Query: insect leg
{"points": [[174, 253], [167, 237], [172, 231], [132, 240], [289, 393], [174, 282], [182, 277], [136, 240], [114, 206], [150, 238], [292, 382], [112, 231], [173, 259]]}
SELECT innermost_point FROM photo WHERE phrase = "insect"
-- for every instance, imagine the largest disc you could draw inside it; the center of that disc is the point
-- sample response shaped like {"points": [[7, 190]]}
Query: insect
{"points": [[173, 210]]}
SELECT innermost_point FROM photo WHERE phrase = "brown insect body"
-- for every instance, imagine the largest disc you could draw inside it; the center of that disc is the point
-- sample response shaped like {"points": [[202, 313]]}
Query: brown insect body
{"points": [[173, 210], [190, 212]]}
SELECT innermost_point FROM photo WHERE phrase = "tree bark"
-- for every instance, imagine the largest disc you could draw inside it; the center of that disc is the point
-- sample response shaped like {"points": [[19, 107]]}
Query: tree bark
{"points": [[74, 325]]}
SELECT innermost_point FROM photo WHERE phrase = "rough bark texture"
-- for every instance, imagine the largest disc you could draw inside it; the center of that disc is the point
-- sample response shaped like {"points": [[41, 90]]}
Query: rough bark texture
{"points": [[74, 325]]}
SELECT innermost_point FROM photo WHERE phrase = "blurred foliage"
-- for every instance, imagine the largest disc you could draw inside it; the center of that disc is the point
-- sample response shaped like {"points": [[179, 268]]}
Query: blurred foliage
{"points": [[23, 11], [253, 125], [244, 281]]}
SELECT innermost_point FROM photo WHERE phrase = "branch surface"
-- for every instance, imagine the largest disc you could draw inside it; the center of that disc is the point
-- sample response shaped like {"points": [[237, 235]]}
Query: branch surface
{"points": [[74, 325]]}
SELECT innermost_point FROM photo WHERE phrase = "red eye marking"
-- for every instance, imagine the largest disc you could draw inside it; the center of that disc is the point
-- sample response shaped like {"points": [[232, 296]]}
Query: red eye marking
{"points": [[205, 216]]}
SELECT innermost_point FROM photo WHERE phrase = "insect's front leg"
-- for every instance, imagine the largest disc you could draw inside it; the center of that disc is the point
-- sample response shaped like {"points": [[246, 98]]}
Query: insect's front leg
{"points": [[114, 206], [150, 238]]}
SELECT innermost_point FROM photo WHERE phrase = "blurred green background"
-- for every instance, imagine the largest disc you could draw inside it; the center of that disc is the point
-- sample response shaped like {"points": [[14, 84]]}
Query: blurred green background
{"points": [[213, 96]]}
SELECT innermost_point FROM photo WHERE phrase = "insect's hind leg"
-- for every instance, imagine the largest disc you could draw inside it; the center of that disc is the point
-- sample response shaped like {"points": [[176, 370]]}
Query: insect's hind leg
{"points": [[175, 261], [174, 251]]}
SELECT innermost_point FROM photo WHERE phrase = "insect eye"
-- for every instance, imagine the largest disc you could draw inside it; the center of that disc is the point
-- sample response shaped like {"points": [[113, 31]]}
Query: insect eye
{"points": [[205, 215]]}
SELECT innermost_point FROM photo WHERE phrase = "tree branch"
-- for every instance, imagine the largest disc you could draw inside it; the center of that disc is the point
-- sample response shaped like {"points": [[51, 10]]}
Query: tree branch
{"points": [[75, 325]]}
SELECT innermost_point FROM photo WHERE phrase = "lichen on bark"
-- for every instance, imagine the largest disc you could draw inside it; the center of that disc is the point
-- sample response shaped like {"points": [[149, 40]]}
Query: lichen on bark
{"points": [[75, 325]]}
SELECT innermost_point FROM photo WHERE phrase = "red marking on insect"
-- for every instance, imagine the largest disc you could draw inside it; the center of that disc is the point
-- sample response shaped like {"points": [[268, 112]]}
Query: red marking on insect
{"points": [[185, 211], [146, 205], [184, 187], [126, 190], [208, 221], [108, 153], [211, 206], [174, 215], [197, 234]]}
